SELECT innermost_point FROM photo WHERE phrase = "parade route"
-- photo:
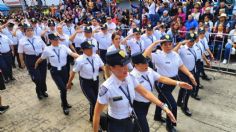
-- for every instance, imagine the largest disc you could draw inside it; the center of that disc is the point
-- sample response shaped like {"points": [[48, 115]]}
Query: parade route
{"points": [[216, 112]]}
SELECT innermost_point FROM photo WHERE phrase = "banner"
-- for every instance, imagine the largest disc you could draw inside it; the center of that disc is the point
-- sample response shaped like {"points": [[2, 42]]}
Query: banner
{"points": [[12, 2]]}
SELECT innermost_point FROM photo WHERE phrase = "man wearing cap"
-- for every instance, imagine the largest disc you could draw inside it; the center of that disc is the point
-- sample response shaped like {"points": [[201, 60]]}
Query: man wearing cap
{"points": [[88, 65], [37, 29], [167, 63], [30, 48], [57, 57], [148, 37], [134, 41], [68, 28], [104, 39], [147, 77], [9, 32], [118, 92]]}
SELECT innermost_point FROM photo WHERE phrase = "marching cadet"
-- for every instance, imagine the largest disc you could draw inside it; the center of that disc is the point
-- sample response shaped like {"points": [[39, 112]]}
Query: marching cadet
{"points": [[116, 45], [64, 40], [76, 38], [200, 54], [118, 92], [134, 41], [189, 57], [6, 54], [30, 48], [88, 65], [104, 39], [68, 28], [147, 77], [57, 56], [148, 37], [9, 32], [37, 29], [51, 29], [204, 41], [167, 63]]}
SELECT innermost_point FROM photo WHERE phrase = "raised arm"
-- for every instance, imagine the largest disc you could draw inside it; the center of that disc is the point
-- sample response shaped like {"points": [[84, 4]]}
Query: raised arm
{"points": [[149, 49], [124, 41]]}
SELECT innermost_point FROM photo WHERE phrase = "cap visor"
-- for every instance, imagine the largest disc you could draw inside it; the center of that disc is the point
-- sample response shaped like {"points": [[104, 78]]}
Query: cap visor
{"points": [[126, 61]]}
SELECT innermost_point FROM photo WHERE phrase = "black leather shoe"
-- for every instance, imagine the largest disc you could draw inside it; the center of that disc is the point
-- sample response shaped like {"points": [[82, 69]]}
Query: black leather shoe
{"points": [[162, 119], [40, 97], [171, 129], [3, 109], [69, 106], [186, 111], [45, 94], [66, 111], [206, 78], [196, 97]]}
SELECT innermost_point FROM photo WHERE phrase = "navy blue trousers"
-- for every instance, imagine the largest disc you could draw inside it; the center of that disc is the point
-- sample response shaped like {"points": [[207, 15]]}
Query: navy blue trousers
{"points": [[184, 94], [61, 78], [38, 75], [90, 90], [6, 65], [141, 110], [123, 125], [165, 95]]}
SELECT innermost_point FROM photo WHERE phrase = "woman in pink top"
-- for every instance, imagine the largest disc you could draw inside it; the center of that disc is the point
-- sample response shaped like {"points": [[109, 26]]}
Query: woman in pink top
{"points": [[182, 15]]}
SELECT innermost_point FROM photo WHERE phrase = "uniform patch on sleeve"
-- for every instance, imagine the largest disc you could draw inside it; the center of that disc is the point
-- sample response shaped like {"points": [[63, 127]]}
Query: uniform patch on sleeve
{"points": [[102, 91]]}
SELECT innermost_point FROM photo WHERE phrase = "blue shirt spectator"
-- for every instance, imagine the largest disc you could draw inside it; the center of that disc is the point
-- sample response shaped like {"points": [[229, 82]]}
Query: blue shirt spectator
{"points": [[191, 23]]}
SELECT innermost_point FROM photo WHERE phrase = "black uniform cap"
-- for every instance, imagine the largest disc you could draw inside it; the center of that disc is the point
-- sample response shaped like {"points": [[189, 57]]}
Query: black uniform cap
{"points": [[87, 45], [139, 58], [117, 57]]}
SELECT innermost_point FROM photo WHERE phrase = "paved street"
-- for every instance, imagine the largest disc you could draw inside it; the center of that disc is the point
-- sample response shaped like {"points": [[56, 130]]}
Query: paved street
{"points": [[215, 113]]}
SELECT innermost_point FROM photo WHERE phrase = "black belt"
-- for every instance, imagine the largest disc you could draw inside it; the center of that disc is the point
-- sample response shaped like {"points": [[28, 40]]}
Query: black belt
{"points": [[5, 53], [87, 79], [33, 55], [119, 120], [53, 67], [174, 78]]}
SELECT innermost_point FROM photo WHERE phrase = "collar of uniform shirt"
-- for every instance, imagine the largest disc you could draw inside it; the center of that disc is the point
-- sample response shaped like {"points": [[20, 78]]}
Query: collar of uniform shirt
{"points": [[90, 57], [119, 82], [140, 73]]}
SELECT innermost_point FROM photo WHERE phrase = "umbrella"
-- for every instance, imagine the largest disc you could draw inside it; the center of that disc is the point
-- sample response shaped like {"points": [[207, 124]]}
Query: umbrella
{"points": [[3, 7]]}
